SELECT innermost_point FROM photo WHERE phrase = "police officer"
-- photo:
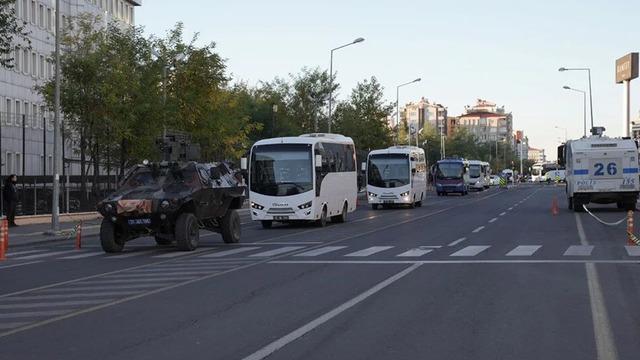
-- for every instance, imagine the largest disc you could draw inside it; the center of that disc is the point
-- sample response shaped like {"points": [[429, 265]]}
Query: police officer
{"points": [[10, 196]]}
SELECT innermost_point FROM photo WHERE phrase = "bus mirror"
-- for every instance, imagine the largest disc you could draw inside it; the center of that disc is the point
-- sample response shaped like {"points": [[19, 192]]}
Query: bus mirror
{"points": [[243, 163], [318, 161], [561, 159], [363, 167]]}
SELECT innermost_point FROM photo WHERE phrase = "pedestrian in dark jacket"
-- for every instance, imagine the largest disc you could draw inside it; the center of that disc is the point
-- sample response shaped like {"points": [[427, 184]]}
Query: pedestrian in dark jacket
{"points": [[10, 196]]}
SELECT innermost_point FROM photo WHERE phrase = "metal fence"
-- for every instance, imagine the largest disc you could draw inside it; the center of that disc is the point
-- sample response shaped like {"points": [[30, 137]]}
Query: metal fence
{"points": [[35, 194]]}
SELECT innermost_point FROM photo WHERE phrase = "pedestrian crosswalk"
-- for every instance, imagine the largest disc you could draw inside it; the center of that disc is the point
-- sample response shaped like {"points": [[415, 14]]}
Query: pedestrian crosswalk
{"points": [[258, 252]]}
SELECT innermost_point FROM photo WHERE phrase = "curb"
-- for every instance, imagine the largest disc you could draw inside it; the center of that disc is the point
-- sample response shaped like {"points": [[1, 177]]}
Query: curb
{"points": [[55, 240]]}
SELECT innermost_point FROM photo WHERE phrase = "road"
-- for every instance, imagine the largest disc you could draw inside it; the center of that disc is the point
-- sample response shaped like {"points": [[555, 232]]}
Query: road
{"points": [[493, 275]]}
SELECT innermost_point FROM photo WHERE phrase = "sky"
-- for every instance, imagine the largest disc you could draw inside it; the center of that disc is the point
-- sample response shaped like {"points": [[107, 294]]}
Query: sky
{"points": [[507, 52]]}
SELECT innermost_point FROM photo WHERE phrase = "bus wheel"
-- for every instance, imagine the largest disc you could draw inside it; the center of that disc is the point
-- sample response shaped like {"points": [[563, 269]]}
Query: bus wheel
{"points": [[322, 222], [342, 217], [374, 206]]}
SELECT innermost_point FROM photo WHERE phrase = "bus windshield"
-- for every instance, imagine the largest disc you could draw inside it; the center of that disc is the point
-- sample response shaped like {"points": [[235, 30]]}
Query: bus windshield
{"points": [[449, 171], [474, 171], [281, 169], [388, 170]]}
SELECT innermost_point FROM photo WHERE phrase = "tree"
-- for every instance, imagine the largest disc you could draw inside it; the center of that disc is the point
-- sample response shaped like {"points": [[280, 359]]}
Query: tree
{"points": [[364, 116], [309, 99], [11, 29]]}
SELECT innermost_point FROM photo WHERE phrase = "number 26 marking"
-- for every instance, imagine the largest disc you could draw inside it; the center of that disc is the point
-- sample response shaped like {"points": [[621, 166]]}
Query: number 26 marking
{"points": [[611, 169]]}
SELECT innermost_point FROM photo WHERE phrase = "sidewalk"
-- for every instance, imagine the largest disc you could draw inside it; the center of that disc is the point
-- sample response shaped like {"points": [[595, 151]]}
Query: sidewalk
{"points": [[31, 229]]}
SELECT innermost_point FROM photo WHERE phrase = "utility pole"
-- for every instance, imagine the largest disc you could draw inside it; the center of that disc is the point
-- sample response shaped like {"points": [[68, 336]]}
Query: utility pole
{"points": [[55, 206]]}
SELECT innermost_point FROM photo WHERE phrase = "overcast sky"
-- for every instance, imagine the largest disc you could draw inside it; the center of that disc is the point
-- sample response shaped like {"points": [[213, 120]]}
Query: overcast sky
{"points": [[507, 51]]}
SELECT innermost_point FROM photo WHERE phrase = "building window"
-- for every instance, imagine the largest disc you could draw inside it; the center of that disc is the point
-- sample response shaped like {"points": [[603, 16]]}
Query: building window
{"points": [[33, 122], [16, 58], [16, 115], [34, 65], [50, 163], [7, 118], [18, 163], [42, 74], [49, 20], [25, 10], [9, 163], [33, 12], [25, 61], [41, 16]]}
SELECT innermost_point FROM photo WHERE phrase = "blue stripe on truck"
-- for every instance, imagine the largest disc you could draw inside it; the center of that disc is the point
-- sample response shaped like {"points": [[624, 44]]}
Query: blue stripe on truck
{"points": [[581, 172], [630, 170]]}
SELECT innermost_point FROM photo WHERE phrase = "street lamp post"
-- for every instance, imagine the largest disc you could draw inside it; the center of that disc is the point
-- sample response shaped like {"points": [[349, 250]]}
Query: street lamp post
{"points": [[584, 106], [398, 106], [565, 132], [358, 40], [55, 206], [588, 70]]}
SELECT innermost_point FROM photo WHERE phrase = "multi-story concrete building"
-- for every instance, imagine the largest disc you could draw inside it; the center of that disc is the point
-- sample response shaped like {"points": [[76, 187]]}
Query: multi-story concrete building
{"points": [[635, 128], [487, 121], [424, 113], [32, 140], [537, 155]]}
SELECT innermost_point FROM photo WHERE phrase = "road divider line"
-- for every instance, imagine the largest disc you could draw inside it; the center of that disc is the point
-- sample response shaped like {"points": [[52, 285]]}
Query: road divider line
{"points": [[605, 343], [456, 242], [524, 250], [415, 253], [478, 229], [493, 220], [301, 331], [503, 213], [471, 250], [466, 261], [321, 251], [369, 251], [18, 265]]}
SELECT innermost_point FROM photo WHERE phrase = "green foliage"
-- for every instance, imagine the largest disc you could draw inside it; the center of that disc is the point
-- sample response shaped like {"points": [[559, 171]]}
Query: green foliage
{"points": [[364, 116], [11, 29]]}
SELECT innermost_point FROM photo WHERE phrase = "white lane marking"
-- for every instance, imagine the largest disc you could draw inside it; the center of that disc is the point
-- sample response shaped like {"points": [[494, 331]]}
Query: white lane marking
{"points": [[578, 250], [509, 209], [633, 250], [281, 243], [493, 220], [39, 256], [415, 252], [137, 281], [456, 242], [322, 250], [103, 288], [82, 256], [478, 229], [17, 265], [176, 271], [471, 250], [396, 262], [5, 326], [369, 251], [12, 254], [301, 331], [278, 251], [130, 254], [180, 253], [524, 250], [503, 213], [605, 343], [229, 252], [152, 275], [69, 296], [52, 304], [29, 314]]}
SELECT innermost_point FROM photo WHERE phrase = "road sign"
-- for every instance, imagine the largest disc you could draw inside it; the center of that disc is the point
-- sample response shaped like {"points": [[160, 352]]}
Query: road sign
{"points": [[627, 68]]}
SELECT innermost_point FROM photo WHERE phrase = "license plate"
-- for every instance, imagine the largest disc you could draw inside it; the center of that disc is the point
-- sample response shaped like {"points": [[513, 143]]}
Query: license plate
{"points": [[139, 221], [387, 202], [280, 218]]}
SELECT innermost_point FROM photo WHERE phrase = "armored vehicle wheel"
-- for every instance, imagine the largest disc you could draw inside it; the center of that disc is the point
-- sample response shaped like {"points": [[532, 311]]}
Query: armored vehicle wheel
{"points": [[187, 232], [570, 203], [231, 227], [266, 224], [163, 241], [343, 215], [111, 239]]}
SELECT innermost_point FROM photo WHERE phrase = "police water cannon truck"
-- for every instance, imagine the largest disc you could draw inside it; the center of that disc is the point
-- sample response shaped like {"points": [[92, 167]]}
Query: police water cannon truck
{"points": [[600, 170]]}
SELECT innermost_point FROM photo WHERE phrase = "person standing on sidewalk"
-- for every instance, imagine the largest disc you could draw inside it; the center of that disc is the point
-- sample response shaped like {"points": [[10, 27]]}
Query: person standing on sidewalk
{"points": [[10, 195]]}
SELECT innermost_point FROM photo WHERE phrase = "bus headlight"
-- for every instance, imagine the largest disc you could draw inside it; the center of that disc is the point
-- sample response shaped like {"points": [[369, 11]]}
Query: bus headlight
{"points": [[404, 194], [305, 205], [373, 195], [257, 206]]}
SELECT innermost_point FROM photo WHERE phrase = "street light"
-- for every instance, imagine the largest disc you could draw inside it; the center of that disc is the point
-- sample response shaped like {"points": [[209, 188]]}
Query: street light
{"points": [[565, 132], [398, 105], [55, 206], [358, 40], [588, 70], [584, 105]]}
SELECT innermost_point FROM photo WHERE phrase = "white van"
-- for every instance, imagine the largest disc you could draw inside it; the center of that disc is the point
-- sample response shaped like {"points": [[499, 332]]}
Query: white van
{"points": [[477, 175], [396, 175]]}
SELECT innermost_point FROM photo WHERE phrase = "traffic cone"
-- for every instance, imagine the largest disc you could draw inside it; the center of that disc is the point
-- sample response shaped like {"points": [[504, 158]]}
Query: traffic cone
{"points": [[79, 236], [554, 206]]}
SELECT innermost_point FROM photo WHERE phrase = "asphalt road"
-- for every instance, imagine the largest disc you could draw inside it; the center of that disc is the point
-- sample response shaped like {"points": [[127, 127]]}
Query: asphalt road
{"points": [[493, 275]]}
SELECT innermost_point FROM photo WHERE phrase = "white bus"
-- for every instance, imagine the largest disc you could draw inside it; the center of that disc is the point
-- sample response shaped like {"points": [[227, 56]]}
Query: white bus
{"points": [[307, 178], [397, 175], [477, 175], [486, 170]]}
